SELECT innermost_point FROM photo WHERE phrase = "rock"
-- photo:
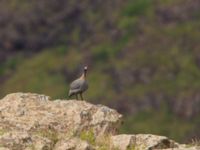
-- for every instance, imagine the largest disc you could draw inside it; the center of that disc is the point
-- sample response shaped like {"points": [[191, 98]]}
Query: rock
{"points": [[123, 141], [4, 148], [186, 147], [32, 112], [18, 140], [30, 120], [154, 141], [142, 141], [15, 140], [73, 143], [41, 143], [35, 122], [183, 148]]}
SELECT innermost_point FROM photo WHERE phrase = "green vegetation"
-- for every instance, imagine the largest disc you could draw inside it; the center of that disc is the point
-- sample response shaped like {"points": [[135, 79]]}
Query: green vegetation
{"points": [[132, 148], [137, 7], [143, 57], [157, 119], [100, 143], [88, 136]]}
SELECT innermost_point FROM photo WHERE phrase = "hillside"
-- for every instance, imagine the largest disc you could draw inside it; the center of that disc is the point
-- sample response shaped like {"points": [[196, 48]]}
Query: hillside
{"points": [[143, 54]]}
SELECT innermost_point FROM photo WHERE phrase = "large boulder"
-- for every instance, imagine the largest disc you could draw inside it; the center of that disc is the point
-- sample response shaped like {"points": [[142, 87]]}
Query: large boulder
{"points": [[33, 112], [32, 120]]}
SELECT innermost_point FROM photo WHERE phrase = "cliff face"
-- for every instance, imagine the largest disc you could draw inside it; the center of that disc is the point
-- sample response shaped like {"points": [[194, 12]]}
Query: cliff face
{"points": [[35, 122]]}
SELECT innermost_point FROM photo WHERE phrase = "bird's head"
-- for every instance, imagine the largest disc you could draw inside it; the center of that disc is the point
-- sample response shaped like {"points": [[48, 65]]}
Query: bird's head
{"points": [[85, 71], [85, 68]]}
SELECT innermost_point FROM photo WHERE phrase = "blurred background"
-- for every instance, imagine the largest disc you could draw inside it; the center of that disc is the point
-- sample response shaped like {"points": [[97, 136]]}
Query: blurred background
{"points": [[143, 57]]}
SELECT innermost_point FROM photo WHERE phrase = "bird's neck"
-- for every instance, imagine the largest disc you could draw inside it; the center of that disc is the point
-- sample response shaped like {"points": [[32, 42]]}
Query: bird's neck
{"points": [[83, 76]]}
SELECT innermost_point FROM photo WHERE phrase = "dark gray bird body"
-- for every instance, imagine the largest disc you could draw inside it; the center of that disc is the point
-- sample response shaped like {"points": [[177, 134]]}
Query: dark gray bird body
{"points": [[79, 85]]}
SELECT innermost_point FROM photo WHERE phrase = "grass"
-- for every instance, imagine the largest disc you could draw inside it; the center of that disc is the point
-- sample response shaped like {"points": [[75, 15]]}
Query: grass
{"points": [[103, 143], [88, 136], [132, 148], [100, 143]]}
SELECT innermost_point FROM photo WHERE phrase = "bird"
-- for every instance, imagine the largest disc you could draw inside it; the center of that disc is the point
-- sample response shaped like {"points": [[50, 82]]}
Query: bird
{"points": [[79, 85]]}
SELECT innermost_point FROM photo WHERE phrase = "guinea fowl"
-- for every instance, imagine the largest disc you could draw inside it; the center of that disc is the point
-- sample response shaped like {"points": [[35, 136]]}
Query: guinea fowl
{"points": [[79, 85]]}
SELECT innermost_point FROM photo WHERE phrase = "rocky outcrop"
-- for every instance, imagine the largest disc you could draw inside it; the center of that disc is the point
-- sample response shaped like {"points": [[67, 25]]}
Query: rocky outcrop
{"points": [[142, 141], [35, 122], [32, 112]]}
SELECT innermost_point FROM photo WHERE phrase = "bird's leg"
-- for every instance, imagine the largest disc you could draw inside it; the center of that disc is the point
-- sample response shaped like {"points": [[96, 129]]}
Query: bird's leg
{"points": [[76, 96], [81, 96]]}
